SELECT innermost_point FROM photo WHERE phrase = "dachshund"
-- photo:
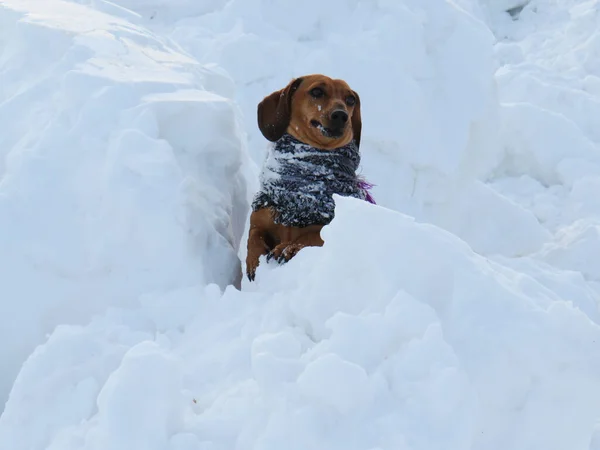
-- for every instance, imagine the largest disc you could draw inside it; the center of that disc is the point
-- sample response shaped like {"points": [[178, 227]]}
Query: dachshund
{"points": [[317, 113]]}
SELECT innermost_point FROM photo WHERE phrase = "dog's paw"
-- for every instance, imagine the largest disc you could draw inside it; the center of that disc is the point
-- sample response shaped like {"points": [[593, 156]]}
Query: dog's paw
{"points": [[290, 251], [251, 266], [276, 252], [284, 252]]}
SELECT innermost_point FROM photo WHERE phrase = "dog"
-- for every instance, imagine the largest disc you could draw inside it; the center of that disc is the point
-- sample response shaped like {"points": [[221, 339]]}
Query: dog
{"points": [[315, 123]]}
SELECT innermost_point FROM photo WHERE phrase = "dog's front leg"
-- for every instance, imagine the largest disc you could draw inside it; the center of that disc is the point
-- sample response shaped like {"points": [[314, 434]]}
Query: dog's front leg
{"points": [[256, 248]]}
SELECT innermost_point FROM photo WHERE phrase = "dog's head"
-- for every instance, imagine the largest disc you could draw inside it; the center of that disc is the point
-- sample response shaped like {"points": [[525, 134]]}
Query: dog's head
{"points": [[315, 109]]}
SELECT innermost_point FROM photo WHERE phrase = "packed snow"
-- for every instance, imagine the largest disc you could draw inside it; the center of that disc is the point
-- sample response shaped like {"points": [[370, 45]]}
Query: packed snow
{"points": [[460, 313]]}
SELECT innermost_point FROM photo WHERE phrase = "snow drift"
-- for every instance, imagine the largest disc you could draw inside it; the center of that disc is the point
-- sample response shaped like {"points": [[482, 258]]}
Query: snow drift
{"points": [[126, 173], [440, 349], [121, 174]]}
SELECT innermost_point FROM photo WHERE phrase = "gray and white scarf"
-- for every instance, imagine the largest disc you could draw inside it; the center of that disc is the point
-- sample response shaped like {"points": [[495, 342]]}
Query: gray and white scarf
{"points": [[298, 182]]}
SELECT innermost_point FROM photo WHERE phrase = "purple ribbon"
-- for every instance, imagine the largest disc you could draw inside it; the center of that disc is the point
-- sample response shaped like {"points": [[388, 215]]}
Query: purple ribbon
{"points": [[366, 187]]}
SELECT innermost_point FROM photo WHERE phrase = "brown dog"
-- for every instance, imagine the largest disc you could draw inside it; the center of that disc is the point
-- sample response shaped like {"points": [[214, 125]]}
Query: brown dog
{"points": [[322, 113]]}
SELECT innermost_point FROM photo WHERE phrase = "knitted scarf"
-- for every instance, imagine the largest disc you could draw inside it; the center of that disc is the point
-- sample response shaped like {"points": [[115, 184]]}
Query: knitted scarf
{"points": [[298, 181]]}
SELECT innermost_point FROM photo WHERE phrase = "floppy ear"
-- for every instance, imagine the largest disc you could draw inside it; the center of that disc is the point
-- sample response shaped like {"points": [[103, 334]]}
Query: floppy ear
{"points": [[356, 120], [275, 111]]}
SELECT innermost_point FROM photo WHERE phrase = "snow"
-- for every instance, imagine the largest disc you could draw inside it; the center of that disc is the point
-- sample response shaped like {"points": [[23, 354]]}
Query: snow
{"points": [[461, 312], [119, 171]]}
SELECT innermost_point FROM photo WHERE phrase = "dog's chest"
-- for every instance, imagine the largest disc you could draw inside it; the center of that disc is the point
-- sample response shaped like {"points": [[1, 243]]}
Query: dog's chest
{"points": [[299, 182]]}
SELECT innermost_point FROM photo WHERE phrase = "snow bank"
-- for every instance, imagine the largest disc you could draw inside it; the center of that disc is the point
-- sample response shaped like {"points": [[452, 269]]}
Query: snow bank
{"points": [[441, 349], [575, 248], [548, 87], [121, 171]]}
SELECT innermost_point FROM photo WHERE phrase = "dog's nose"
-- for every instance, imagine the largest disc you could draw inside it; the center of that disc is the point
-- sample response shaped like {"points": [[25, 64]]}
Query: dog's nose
{"points": [[339, 118]]}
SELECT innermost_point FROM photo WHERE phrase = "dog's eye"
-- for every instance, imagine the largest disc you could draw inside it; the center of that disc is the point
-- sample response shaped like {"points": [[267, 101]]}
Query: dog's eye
{"points": [[350, 100], [317, 92]]}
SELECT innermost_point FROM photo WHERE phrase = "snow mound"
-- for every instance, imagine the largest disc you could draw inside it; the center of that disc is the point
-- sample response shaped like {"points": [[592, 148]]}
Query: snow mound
{"points": [[313, 357], [548, 87], [575, 248], [543, 155], [122, 171]]}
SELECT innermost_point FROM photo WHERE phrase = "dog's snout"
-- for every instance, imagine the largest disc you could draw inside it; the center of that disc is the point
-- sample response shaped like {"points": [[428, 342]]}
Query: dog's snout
{"points": [[339, 118]]}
